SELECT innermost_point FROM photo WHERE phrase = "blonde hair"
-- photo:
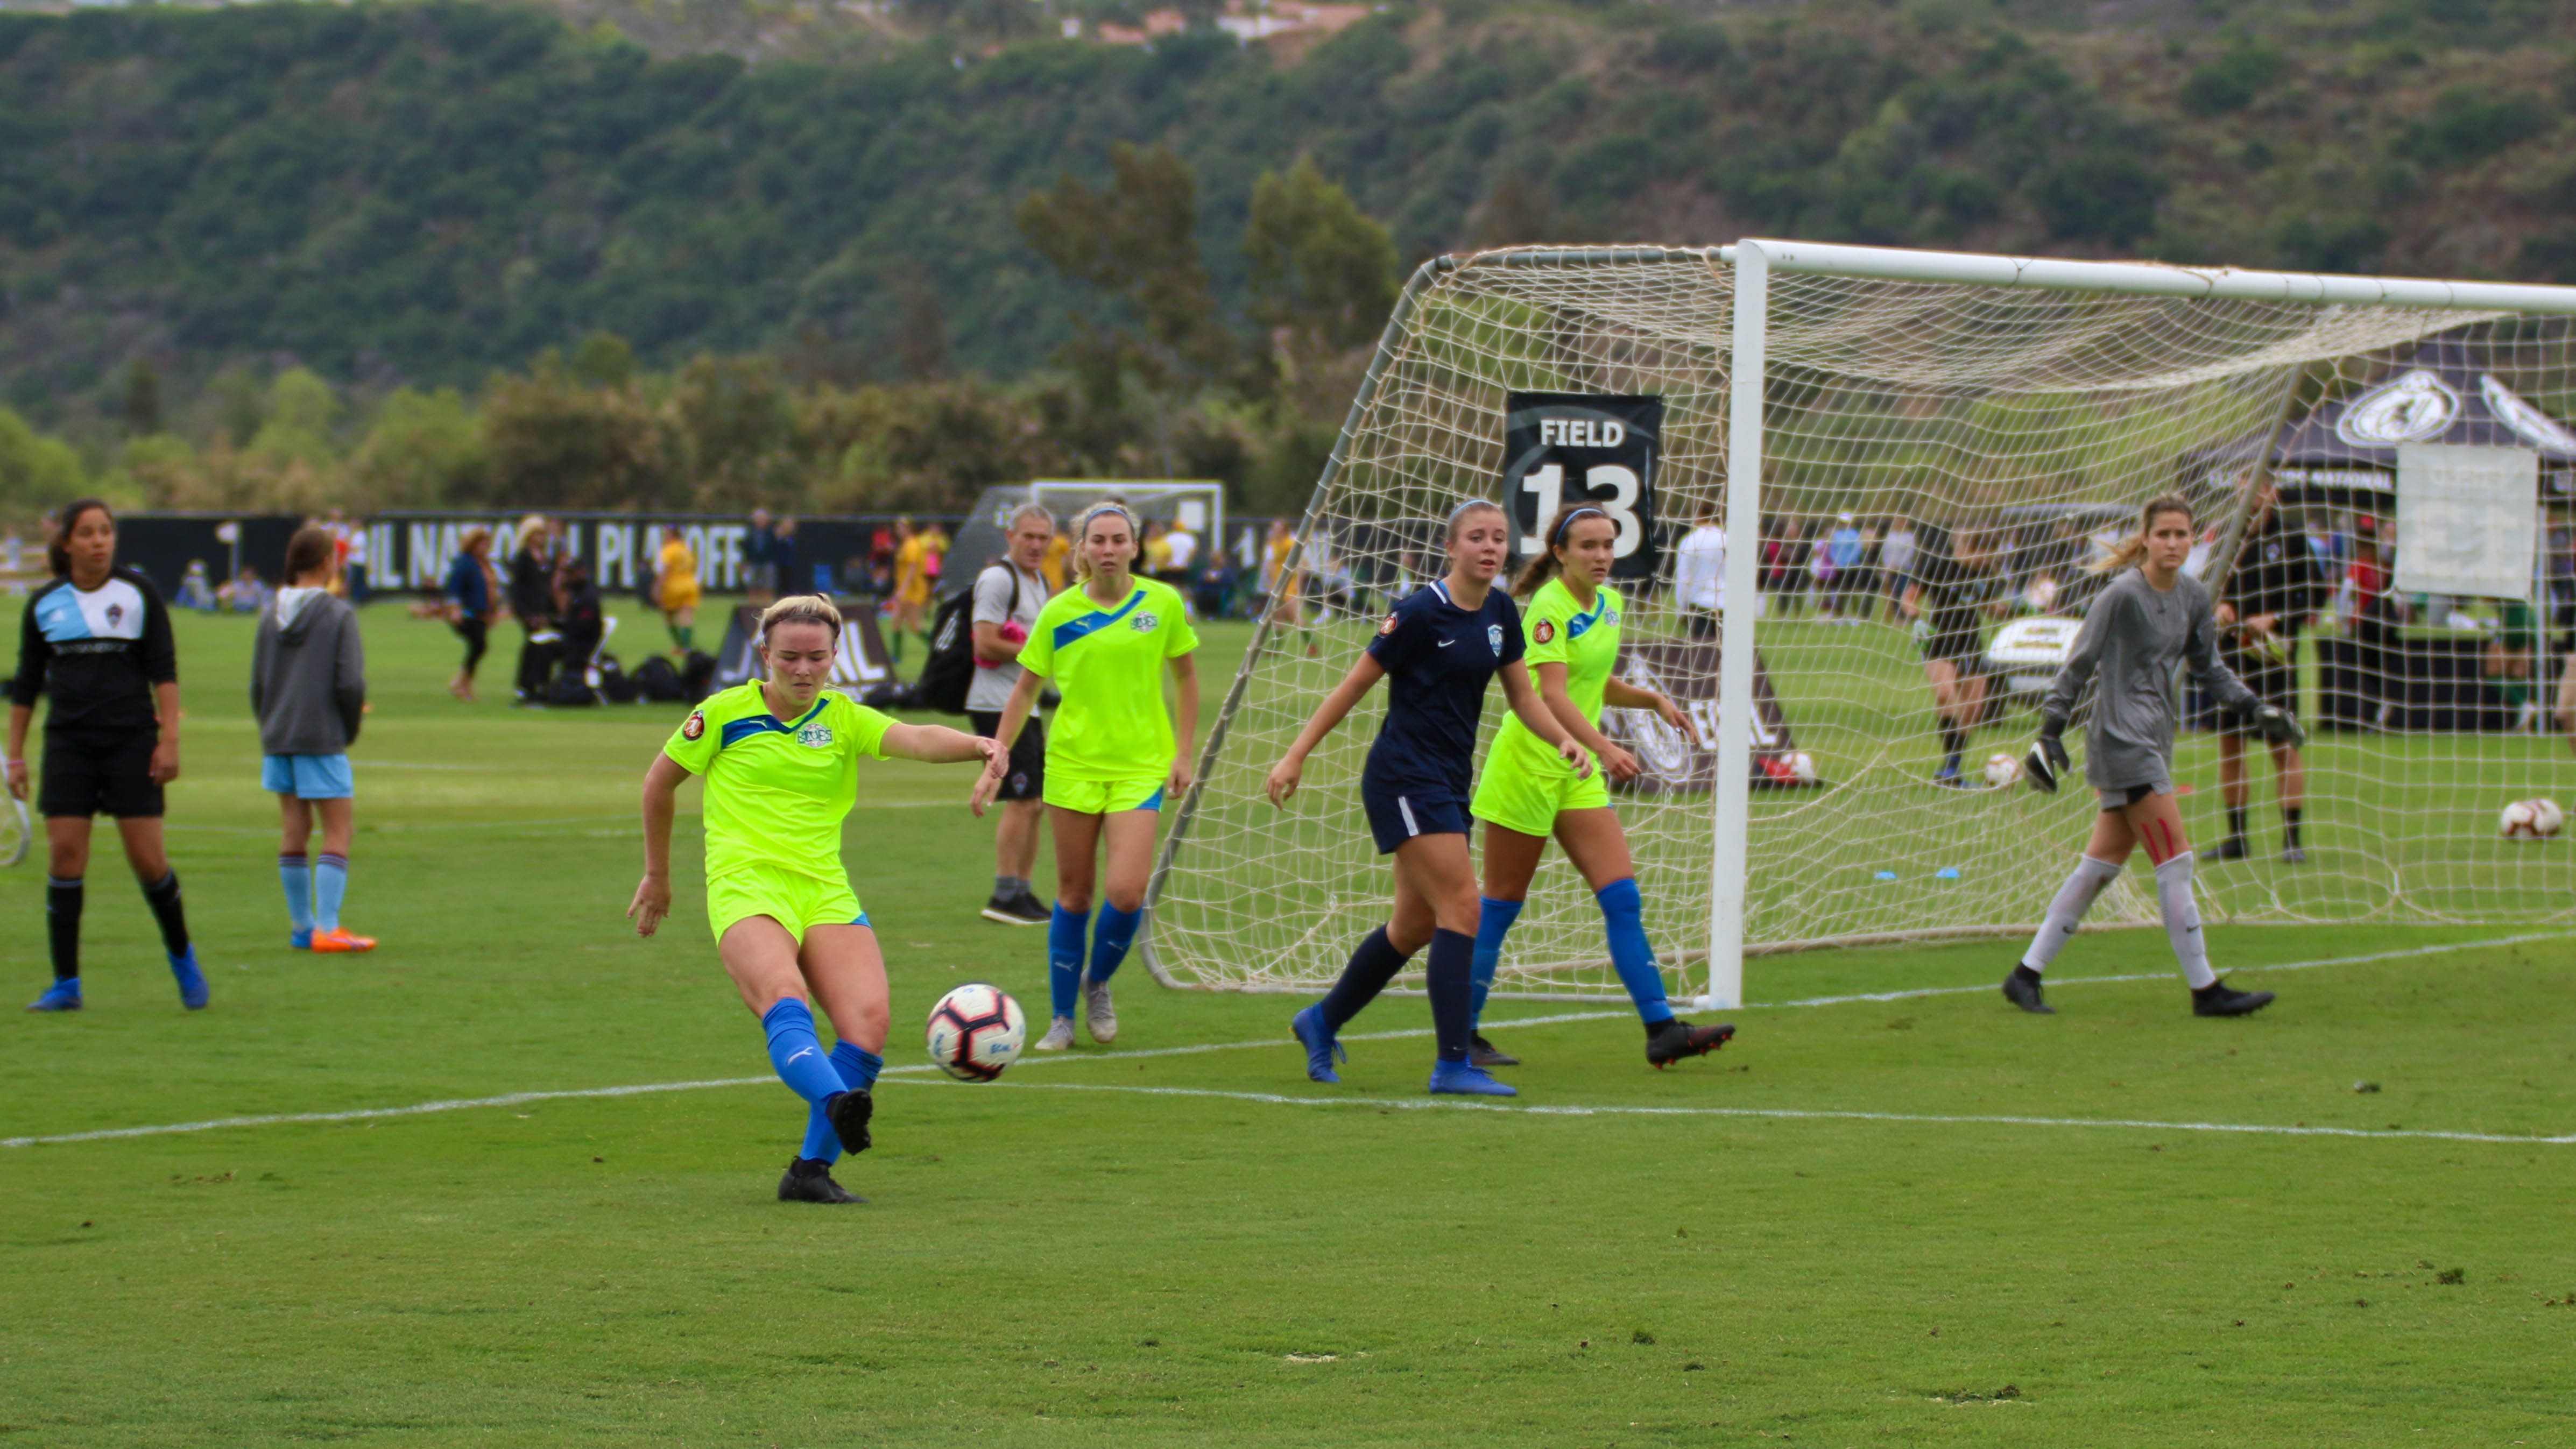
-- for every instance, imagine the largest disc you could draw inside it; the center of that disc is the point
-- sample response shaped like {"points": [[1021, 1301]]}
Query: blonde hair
{"points": [[2133, 549], [532, 524], [1545, 564], [1082, 530], [801, 609], [477, 534]]}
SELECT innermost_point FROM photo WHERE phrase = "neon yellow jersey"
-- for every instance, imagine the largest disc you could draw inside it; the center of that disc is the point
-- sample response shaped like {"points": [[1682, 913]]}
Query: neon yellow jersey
{"points": [[777, 791], [1109, 665], [1586, 642]]}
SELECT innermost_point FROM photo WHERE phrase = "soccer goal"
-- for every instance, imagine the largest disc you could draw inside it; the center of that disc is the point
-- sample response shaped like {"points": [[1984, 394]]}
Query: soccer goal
{"points": [[1845, 412]]}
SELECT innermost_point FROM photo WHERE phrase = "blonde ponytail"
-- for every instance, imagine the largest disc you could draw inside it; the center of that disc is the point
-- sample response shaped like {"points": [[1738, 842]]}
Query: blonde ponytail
{"points": [[2133, 549]]}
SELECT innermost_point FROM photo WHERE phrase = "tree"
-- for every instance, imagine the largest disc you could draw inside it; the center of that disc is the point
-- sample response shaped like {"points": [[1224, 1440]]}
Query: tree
{"points": [[142, 398], [425, 450], [551, 441], [35, 471], [1323, 273]]}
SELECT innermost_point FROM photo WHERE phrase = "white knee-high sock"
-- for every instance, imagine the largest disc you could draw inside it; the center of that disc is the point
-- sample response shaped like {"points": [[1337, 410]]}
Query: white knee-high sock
{"points": [[2066, 910], [2182, 920]]}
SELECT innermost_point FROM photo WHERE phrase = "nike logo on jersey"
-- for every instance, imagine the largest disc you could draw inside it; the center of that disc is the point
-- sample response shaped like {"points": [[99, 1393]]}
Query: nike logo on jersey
{"points": [[1445, 643]]}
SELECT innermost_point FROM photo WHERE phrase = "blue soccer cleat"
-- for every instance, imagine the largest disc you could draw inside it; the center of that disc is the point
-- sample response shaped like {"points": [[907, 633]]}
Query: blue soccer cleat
{"points": [[192, 982], [1321, 1049], [300, 939], [1947, 777], [1466, 1079], [63, 995]]}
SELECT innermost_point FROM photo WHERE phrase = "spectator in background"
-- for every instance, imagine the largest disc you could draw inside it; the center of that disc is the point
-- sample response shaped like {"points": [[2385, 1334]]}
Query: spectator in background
{"points": [[353, 565], [1841, 575], [760, 561], [578, 615], [911, 584], [2374, 613], [196, 590], [1053, 564], [934, 560], [1156, 563], [881, 545], [471, 592], [1184, 547], [675, 590], [1283, 587], [531, 596], [1008, 595], [247, 594], [308, 690], [782, 559], [1212, 586], [1699, 574]]}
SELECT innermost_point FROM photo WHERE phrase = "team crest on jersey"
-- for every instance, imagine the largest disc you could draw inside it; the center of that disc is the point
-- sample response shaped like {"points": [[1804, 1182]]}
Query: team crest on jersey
{"points": [[115, 615], [694, 726], [1143, 623], [1494, 637], [1545, 631], [1389, 626], [815, 736]]}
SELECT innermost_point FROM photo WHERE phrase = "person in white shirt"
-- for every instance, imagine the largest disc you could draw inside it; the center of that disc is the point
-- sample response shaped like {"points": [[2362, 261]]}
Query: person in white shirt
{"points": [[1699, 574], [1896, 559], [1008, 596], [1185, 546]]}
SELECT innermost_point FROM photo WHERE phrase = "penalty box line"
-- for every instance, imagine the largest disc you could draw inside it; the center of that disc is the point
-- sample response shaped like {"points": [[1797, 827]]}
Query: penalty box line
{"points": [[515, 1099]]}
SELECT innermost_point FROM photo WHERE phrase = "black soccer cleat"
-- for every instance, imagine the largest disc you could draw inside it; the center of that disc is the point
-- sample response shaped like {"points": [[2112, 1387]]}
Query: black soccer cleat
{"points": [[2220, 999], [849, 1113], [810, 1180], [1675, 1039], [2232, 848], [2022, 989], [1483, 1053]]}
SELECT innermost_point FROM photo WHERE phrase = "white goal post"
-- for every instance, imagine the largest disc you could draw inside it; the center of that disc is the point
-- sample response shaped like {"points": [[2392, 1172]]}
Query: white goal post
{"points": [[1822, 403]]}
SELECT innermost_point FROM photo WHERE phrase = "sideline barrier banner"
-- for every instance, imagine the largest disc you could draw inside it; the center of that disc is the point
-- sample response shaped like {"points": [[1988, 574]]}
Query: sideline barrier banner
{"points": [[860, 665]]}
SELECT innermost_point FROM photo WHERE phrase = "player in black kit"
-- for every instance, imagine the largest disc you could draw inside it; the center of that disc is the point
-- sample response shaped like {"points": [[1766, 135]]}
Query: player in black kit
{"points": [[98, 640], [1437, 651]]}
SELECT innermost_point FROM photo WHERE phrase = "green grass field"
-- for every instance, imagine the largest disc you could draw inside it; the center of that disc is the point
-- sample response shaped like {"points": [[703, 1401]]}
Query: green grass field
{"points": [[1895, 1221]]}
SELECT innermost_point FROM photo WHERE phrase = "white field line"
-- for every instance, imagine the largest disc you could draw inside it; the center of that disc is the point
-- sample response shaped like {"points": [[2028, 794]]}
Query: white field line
{"points": [[1789, 1113], [518, 1098]]}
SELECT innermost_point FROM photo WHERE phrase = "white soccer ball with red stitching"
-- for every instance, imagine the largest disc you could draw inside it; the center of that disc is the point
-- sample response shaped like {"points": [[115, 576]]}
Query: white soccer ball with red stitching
{"points": [[2002, 770], [2546, 818], [976, 1031], [2519, 821]]}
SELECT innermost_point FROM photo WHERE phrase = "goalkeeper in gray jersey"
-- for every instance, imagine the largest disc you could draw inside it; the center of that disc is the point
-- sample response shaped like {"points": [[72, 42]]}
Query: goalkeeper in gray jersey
{"points": [[2152, 615]]}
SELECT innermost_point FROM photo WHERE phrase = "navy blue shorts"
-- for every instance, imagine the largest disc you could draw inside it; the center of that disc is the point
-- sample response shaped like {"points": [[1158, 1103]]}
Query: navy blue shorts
{"points": [[1398, 814]]}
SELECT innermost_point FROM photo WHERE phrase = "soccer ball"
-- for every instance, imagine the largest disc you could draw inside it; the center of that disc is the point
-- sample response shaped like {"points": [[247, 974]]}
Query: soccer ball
{"points": [[976, 1031], [2546, 817], [2519, 821], [1802, 767], [2002, 770]]}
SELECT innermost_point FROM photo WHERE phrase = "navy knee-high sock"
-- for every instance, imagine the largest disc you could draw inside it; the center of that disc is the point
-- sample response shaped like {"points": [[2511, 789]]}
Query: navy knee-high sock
{"points": [[1109, 943], [1448, 975], [1372, 966], [1064, 958], [163, 896], [62, 925], [1493, 922], [1623, 919]]}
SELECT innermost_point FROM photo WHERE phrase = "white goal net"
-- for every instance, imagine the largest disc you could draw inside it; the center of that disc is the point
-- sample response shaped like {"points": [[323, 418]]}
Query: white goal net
{"points": [[1972, 424]]}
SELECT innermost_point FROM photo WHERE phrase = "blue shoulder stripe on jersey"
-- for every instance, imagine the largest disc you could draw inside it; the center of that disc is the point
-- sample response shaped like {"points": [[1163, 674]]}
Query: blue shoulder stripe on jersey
{"points": [[1575, 627], [766, 723], [1093, 622], [59, 617]]}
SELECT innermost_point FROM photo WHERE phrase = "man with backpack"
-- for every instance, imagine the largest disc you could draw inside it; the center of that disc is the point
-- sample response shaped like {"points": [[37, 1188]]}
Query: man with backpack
{"points": [[1007, 597]]}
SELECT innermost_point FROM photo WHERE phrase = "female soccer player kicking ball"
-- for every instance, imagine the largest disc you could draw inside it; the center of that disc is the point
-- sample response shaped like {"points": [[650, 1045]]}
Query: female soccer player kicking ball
{"points": [[2139, 624], [98, 640], [1111, 757], [1528, 793], [780, 757], [1438, 650]]}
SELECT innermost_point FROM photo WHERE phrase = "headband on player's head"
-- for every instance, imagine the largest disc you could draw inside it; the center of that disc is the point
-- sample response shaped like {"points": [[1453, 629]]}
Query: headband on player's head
{"points": [[1565, 521], [1097, 509], [1472, 505]]}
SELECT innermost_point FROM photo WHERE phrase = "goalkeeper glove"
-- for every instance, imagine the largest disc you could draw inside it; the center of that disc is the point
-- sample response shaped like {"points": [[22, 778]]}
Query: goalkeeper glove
{"points": [[2280, 727], [2047, 762]]}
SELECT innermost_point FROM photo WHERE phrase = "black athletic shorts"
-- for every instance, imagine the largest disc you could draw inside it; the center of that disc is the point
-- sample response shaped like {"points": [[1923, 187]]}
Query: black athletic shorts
{"points": [[91, 772], [1957, 646], [1027, 779], [2274, 681]]}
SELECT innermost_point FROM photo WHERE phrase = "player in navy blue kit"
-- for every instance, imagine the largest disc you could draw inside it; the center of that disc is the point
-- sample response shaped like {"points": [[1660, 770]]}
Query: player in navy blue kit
{"points": [[1436, 651], [97, 639]]}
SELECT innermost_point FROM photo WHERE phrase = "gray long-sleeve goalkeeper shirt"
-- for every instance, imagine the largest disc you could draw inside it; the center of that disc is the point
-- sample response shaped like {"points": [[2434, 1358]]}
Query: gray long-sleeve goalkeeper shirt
{"points": [[2132, 636]]}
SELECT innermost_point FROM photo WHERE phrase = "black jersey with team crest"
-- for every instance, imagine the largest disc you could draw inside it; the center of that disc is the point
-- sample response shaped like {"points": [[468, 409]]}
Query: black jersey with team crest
{"points": [[1438, 658], [98, 652]]}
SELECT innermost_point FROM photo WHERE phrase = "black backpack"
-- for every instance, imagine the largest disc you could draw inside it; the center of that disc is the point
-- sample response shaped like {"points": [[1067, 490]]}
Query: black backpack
{"points": [[950, 670], [697, 676], [658, 681], [571, 688], [614, 686]]}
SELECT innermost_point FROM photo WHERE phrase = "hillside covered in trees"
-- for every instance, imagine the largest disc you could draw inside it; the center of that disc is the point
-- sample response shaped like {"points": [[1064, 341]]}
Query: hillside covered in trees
{"points": [[384, 200]]}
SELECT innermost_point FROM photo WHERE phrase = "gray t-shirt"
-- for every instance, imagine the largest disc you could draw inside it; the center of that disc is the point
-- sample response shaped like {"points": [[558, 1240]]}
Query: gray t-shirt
{"points": [[2132, 636], [992, 687]]}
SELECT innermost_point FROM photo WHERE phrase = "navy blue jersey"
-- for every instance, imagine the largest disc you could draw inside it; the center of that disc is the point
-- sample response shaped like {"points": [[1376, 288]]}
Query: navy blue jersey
{"points": [[1438, 658]]}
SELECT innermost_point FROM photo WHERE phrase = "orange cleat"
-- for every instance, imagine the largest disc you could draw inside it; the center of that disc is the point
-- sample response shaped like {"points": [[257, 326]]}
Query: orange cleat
{"points": [[339, 939]]}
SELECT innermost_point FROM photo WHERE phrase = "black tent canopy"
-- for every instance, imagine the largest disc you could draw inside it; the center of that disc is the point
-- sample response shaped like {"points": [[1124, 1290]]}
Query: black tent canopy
{"points": [[2345, 451]]}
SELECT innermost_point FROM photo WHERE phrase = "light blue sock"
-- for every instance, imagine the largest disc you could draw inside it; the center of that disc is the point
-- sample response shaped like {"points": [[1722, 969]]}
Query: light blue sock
{"points": [[1109, 943], [1623, 918], [858, 1071], [1064, 958], [797, 1053], [330, 887], [295, 872], [1493, 922]]}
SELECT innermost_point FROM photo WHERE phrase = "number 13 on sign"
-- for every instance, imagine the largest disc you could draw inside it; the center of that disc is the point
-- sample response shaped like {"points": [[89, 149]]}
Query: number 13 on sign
{"points": [[1548, 485]]}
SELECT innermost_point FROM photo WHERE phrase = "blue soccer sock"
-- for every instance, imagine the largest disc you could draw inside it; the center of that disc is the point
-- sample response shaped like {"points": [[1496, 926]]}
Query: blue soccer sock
{"points": [[1623, 919], [797, 1053], [330, 887], [295, 873], [1493, 923], [858, 1071], [1372, 966], [1064, 958], [1109, 943], [1446, 976]]}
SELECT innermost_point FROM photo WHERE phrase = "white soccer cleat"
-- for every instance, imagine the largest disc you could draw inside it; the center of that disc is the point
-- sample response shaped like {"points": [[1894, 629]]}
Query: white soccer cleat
{"points": [[1059, 1036], [1098, 1014]]}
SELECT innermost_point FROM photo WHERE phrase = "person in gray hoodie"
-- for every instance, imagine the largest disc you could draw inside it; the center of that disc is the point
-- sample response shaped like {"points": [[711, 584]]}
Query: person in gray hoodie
{"points": [[308, 687]]}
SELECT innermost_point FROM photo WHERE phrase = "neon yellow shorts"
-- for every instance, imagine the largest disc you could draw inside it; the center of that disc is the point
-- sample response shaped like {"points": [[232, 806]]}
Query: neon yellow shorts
{"points": [[793, 900], [1104, 797], [1527, 801]]}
